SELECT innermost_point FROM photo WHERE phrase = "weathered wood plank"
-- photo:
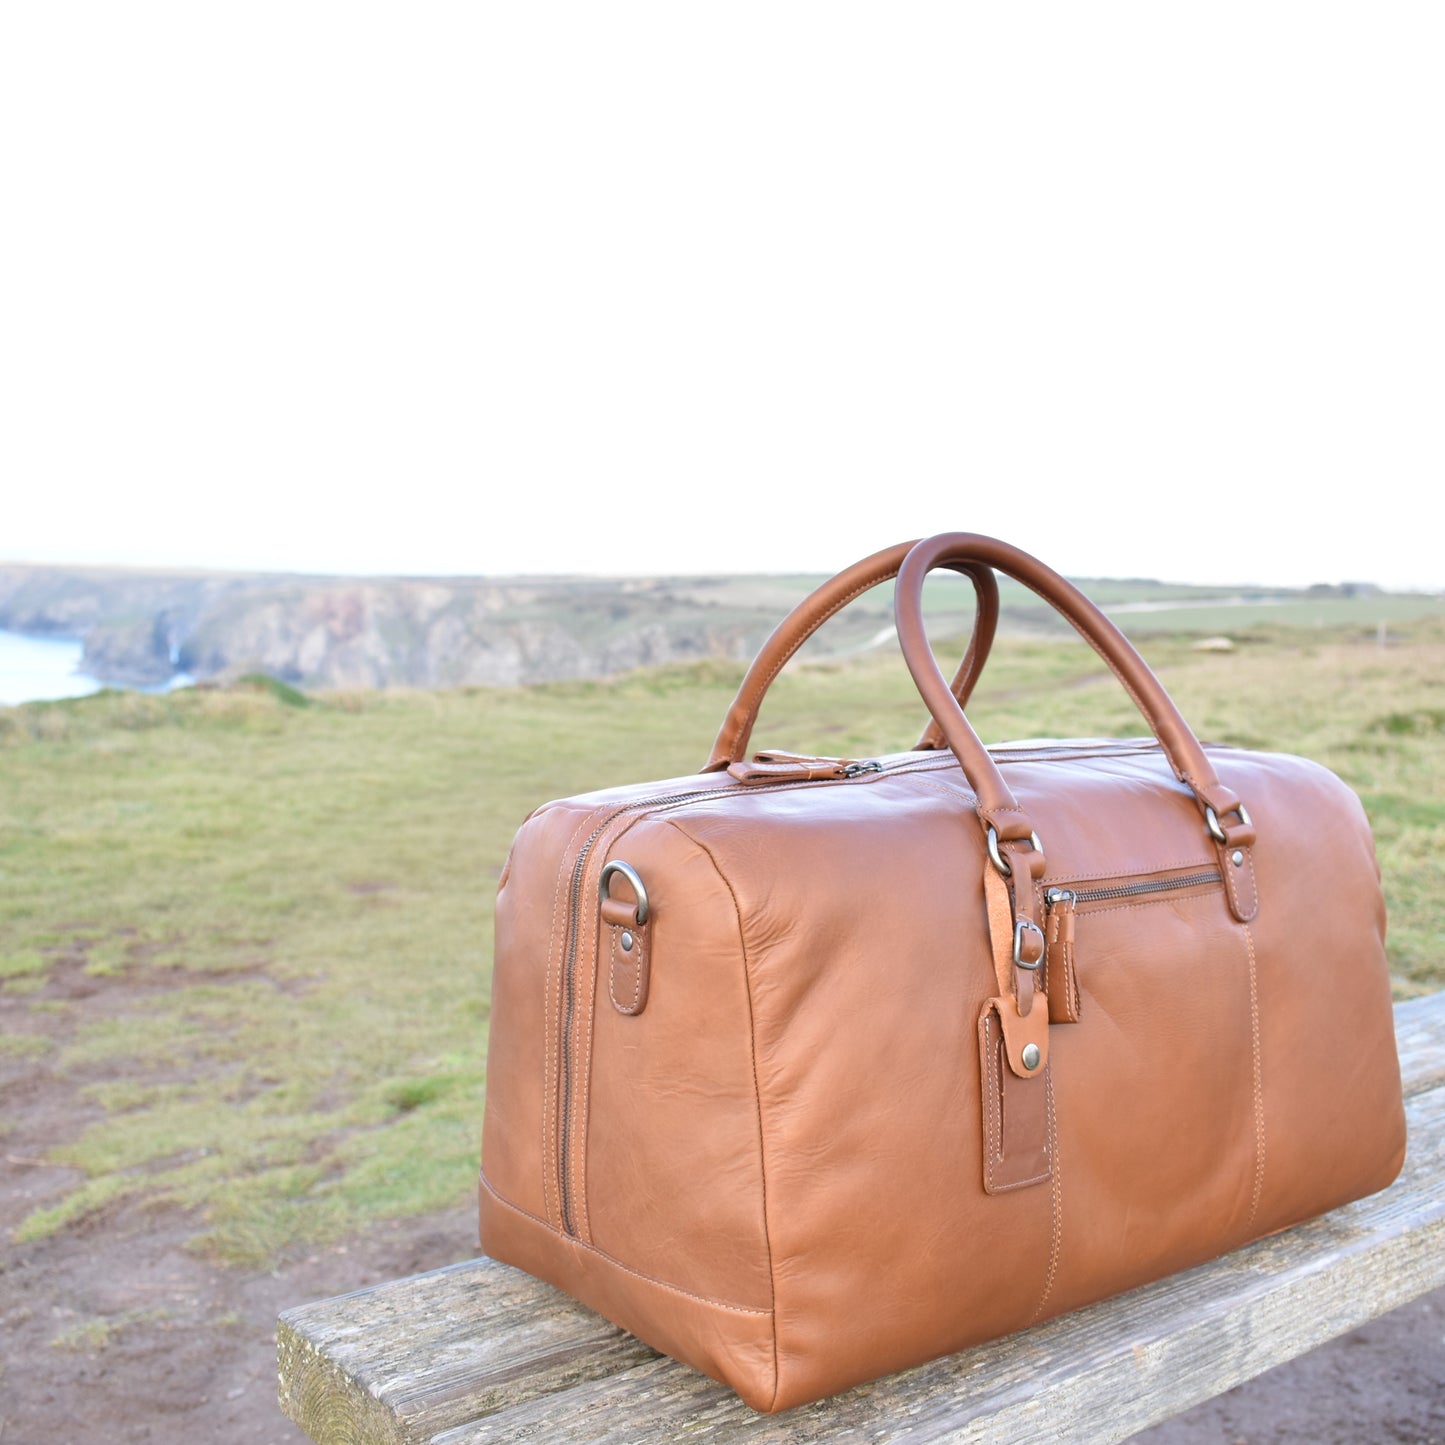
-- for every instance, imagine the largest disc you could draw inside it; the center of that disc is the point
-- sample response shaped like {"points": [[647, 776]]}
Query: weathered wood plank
{"points": [[1420, 1039], [479, 1352], [402, 1361]]}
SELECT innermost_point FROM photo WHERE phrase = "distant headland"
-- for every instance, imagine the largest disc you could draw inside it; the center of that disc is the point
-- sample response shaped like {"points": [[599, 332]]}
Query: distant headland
{"points": [[142, 627]]}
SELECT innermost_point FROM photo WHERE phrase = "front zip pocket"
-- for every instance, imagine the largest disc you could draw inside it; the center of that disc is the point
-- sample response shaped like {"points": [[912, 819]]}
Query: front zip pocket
{"points": [[1131, 888], [1064, 902]]}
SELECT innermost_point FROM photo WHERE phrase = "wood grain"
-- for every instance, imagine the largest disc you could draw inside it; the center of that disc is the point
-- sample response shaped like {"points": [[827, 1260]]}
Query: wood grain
{"points": [[405, 1360], [482, 1353]]}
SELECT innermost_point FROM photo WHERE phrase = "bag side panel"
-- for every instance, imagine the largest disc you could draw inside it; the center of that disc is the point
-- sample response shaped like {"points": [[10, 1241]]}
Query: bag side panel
{"points": [[676, 1250], [1330, 1073], [674, 1152], [531, 918]]}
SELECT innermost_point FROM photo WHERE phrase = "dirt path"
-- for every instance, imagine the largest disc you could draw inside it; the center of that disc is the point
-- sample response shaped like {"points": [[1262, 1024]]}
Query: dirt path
{"points": [[114, 1332]]}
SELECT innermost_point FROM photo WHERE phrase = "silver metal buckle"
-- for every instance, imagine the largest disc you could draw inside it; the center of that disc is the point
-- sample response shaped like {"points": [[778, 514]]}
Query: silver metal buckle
{"points": [[629, 873], [1211, 821], [1019, 926], [999, 861]]}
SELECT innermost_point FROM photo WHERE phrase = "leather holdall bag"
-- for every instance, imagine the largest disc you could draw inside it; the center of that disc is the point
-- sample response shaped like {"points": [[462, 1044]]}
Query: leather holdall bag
{"points": [[808, 1069]]}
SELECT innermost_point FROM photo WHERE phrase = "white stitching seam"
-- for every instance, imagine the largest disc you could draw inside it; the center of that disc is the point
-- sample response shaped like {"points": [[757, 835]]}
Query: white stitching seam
{"points": [[1057, 1236], [990, 1088], [1258, 1079], [635, 964], [1063, 880]]}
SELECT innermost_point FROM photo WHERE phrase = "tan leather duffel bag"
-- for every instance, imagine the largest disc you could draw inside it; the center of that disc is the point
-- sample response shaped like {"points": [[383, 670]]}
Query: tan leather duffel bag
{"points": [[806, 1069]]}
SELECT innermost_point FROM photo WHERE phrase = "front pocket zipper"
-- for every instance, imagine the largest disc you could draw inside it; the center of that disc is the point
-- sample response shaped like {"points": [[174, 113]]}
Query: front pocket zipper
{"points": [[1060, 978], [1110, 891]]}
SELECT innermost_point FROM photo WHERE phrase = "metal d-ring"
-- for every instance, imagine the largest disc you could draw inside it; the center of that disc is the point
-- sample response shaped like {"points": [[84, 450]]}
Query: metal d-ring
{"points": [[1211, 821], [999, 861], [629, 873]]}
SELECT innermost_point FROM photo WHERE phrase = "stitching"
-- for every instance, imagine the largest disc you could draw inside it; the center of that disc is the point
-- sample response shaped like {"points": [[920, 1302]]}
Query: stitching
{"points": [[757, 1088], [617, 1263], [951, 794], [1258, 1081], [990, 1093], [552, 1089], [1242, 912], [606, 841], [582, 1100], [1066, 879], [1058, 1192], [637, 977], [583, 1094], [989, 1089], [995, 815]]}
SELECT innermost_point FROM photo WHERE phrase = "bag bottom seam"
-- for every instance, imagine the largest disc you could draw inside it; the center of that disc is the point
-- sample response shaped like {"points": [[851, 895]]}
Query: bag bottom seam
{"points": [[617, 1263]]}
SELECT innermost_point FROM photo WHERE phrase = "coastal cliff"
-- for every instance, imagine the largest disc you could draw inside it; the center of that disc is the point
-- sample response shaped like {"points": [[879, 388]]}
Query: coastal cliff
{"points": [[140, 628]]}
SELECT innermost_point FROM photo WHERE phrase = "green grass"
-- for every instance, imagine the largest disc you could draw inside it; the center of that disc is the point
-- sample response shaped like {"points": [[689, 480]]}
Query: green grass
{"points": [[285, 908]]}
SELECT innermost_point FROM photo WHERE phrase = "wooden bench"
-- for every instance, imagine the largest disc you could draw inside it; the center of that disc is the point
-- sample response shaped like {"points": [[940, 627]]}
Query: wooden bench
{"points": [[481, 1352]]}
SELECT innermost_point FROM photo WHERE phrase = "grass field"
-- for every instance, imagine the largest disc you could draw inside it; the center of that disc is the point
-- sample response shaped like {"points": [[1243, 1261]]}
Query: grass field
{"points": [[277, 910]]}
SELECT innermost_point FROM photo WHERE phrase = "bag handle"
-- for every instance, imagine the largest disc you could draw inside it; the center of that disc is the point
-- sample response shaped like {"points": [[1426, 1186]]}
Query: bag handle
{"points": [[814, 610], [1007, 822]]}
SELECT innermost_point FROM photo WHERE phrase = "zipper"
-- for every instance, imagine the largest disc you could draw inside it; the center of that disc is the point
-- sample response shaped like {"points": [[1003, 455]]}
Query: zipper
{"points": [[1055, 896], [1062, 982], [846, 771], [579, 869]]}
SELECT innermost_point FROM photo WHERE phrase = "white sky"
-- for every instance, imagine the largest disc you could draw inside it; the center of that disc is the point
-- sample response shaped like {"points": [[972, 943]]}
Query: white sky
{"points": [[524, 287]]}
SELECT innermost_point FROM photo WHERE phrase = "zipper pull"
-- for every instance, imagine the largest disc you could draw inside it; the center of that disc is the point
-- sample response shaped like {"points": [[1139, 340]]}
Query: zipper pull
{"points": [[1061, 983], [780, 767]]}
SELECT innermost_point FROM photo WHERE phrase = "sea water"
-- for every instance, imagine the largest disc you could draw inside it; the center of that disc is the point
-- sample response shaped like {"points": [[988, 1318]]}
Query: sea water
{"points": [[35, 668]]}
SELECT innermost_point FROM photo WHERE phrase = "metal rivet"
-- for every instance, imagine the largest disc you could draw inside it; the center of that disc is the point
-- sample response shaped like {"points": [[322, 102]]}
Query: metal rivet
{"points": [[1237, 858], [1031, 1057], [627, 942]]}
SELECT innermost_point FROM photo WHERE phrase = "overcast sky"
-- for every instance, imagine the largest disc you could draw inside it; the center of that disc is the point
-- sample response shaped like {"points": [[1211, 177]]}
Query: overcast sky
{"points": [[1147, 289]]}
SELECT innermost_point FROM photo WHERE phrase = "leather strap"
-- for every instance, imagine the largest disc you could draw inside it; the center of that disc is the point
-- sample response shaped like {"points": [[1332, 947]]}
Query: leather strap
{"points": [[811, 613], [997, 806]]}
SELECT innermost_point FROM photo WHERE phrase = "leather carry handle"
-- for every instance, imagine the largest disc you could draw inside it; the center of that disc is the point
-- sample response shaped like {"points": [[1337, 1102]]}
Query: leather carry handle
{"points": [[814, 610], [997, 806]]}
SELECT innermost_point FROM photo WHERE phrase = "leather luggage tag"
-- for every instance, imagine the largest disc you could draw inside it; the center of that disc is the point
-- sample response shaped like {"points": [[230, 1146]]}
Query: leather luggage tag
{"points": [[1017, 1137]]}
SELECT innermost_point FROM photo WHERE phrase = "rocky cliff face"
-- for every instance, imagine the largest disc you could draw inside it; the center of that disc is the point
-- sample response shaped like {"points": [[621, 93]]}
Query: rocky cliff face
{"points": [[424, 634], [139, 628]]}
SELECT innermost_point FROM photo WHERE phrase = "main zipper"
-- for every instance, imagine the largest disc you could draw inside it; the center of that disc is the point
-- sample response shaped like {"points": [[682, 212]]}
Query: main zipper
{"points": [[579, 868]]}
